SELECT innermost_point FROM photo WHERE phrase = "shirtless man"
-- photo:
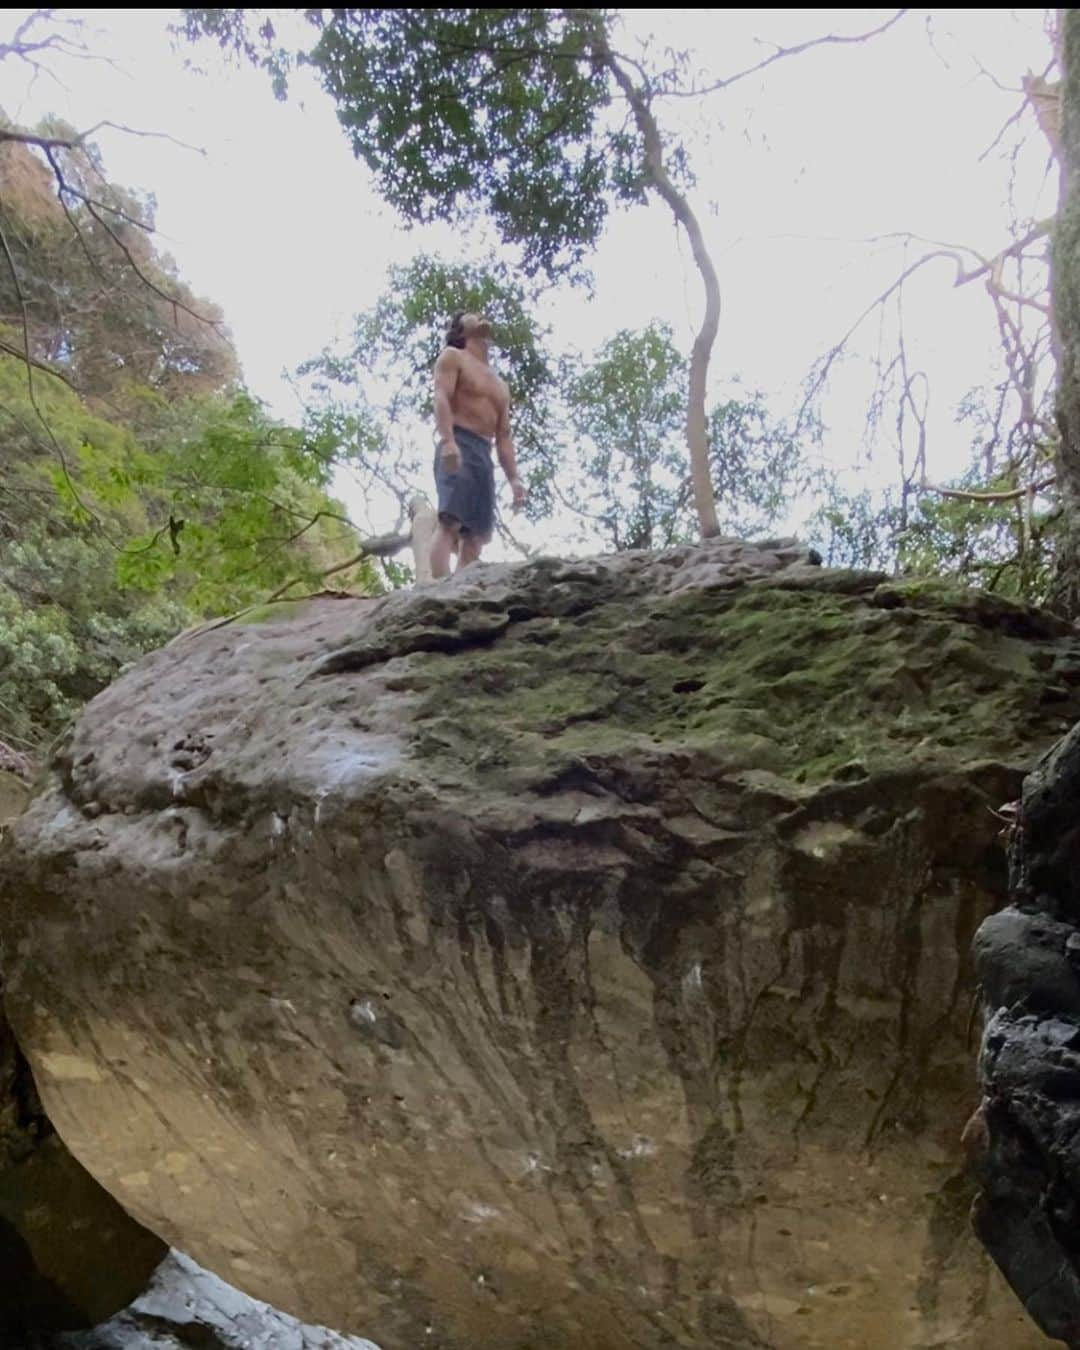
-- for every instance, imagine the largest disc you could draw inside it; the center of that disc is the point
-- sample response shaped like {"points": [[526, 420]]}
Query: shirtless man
{"points": [[472, 409]]}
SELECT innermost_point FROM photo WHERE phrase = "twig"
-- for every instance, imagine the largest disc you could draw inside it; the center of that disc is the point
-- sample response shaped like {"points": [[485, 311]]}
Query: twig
{"points": [[78, 141], [958, 494], [829, 39], [9, 350], [524, 549], [384, 546], [191, 482], [92, 206], [965, 273]]}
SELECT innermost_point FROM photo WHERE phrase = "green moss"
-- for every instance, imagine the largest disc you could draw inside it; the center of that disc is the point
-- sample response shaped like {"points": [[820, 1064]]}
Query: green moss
{"points": [[800, 681]]}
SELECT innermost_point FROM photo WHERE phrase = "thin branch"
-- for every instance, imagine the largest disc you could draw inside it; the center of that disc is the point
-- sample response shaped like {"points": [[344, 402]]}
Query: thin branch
{"points": [[829, 39], [1011, 121], [9, 350], [89, 201], [92, 206], [958, 494], [79, 140], [508, 535], [17, 42], [382, 546], [107, 125], [959, 255], [824, 367], [23, 49], [191, 482], [964, 273]]}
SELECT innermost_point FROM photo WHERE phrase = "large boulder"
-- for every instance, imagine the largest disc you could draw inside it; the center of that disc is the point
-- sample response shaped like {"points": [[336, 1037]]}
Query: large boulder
{"points": [[568, 955], [1025, 1136], [69, 1254]]}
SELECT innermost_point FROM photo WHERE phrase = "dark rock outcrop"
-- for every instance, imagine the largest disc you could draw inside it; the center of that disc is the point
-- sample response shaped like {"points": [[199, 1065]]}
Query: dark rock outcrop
{"points": [[570, 955], [69, 1254], [1025, 1137]]}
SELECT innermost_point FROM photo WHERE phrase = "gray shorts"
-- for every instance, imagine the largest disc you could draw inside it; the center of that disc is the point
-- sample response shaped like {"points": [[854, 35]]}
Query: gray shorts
{"points": [[467, 498]]}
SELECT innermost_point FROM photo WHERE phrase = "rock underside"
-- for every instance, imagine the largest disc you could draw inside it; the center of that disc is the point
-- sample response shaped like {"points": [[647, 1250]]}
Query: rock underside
{"points": [[69, 1254], [569, 955]]}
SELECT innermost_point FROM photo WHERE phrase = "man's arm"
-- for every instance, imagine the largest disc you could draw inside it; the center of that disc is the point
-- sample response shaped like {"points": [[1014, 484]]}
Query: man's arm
{"points": [[504, 446], [447, 369]]}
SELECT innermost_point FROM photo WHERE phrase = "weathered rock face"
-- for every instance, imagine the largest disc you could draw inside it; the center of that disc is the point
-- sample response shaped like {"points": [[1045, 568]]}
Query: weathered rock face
{"points": [[69, 1255], [566, 956], [1025, 1137]]}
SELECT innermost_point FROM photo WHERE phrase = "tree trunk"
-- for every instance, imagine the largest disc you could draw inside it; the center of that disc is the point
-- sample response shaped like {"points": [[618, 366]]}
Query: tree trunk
{"points": [[1065, 290], [697, 437]]}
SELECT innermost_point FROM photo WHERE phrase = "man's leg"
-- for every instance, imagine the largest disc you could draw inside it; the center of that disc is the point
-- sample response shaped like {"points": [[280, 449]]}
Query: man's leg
{"points": [[470, 550], [443, 546]]}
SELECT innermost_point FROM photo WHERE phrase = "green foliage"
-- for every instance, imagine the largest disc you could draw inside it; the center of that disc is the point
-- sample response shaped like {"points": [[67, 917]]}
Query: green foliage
{"points": [[854, 529], [1005, 546], [238, 508], [141, 491], [759, 464], [67, 628], [454, 109], [628, 408], [109, 543]]}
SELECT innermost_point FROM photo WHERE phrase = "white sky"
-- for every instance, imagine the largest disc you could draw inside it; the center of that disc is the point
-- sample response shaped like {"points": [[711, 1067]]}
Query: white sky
{"points": [[797, 168]]}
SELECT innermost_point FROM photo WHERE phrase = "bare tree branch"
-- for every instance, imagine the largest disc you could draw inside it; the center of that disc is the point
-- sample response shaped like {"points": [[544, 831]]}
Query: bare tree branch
{"points": [[828, 40], [9, 350], [95, 208], [40, 142], [965, 272], [508, 537], [1011, 495], [192, 483], [80, 139], [381, 546]]}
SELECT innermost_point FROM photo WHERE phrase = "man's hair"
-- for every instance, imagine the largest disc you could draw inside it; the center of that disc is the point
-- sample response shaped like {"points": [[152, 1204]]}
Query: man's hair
{"points": [[455, 334]]}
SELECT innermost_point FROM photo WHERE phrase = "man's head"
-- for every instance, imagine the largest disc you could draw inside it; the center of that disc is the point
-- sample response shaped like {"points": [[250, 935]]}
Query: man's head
{"points": [[467, 327]]}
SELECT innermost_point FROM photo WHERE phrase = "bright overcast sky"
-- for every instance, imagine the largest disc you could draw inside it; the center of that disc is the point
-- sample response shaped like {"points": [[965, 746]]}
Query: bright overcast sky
{"points": [[798, 168]]}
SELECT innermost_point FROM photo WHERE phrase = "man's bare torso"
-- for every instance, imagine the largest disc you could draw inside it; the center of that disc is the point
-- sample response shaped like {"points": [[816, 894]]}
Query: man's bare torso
{"points": [[480, 401]]}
